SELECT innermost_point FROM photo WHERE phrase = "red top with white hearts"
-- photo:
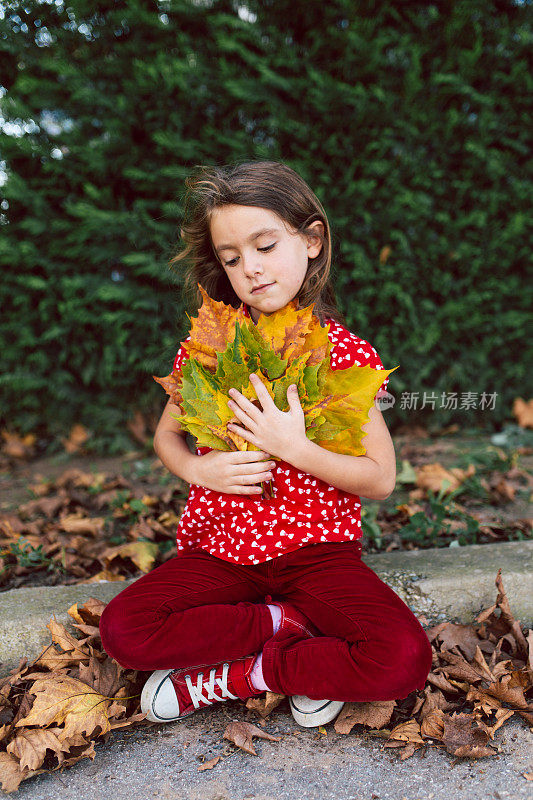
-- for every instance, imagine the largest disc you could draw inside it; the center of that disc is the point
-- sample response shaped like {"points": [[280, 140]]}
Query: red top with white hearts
{"points": [[304, 509]]}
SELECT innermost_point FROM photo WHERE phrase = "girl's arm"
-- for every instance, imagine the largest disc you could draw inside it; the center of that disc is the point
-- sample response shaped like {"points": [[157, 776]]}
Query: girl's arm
{"points": [[231, 472], [372, 475], [171, 445]]}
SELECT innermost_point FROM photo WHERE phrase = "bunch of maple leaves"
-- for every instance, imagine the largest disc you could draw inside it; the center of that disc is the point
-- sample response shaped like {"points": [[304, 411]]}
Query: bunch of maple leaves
{"points": [[286, 347], [54, 710]]}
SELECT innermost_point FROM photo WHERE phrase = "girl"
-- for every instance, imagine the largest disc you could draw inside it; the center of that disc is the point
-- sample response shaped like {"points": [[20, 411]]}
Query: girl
{"points": [[206, 621]]}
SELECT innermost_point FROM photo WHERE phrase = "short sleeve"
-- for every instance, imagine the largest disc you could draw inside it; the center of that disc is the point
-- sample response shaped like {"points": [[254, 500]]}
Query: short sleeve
{"points": [[350, 350], [372, 359], [181, 357]]}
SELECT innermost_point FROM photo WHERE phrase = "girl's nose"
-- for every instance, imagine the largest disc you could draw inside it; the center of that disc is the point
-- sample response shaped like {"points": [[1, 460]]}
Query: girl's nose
{"points": [[251, 265]]}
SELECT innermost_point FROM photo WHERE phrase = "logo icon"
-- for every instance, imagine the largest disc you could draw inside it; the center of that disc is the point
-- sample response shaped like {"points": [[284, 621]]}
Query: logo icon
{"points": [[384, 400]]}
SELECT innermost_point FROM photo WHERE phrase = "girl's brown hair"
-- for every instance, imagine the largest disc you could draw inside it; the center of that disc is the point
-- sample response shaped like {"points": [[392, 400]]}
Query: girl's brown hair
{"points": [[267, 184]]}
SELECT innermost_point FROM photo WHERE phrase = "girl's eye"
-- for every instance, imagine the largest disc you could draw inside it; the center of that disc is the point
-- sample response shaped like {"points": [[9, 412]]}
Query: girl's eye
{"points": [[262, 249]]}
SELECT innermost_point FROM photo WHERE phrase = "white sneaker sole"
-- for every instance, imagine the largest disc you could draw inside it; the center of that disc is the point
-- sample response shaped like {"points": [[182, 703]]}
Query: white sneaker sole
{"points": [[311, 713]]}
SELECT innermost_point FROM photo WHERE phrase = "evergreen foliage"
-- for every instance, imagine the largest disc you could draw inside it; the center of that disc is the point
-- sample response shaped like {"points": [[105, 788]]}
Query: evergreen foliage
{"points": [[407, 120]]}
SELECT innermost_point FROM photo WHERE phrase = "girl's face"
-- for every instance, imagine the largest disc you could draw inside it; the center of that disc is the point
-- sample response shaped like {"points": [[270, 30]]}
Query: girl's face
{"points": [[256, 247]]}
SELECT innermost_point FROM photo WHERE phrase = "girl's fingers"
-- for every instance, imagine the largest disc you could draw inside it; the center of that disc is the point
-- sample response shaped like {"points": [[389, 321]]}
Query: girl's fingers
{"points": [[244, 407], [248, 480], [244, 433], [257, 467]]}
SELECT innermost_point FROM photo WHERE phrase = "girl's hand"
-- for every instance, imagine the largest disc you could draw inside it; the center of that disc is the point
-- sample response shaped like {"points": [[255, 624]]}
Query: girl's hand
{"points": [[233, 472], [274, 431]]}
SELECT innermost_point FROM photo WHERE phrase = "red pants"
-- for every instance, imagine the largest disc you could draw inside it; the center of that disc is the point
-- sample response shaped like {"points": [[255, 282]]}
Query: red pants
{"points": [[197, 609]]}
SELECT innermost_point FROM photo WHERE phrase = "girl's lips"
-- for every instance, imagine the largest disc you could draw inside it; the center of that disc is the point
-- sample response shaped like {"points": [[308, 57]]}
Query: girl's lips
{"points": [[261, 288]]}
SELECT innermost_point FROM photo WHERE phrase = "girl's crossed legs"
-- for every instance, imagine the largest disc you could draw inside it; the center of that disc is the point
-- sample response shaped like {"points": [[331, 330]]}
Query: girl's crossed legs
{"points": [[199, 610]]}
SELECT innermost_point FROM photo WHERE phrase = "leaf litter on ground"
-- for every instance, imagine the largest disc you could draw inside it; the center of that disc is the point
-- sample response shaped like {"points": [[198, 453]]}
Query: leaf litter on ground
{"points": [[84, 527], [88, 527], [54, 710]]}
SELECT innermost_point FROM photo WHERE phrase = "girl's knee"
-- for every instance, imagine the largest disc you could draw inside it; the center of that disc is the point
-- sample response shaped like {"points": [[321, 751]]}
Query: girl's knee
{"points": [[114, 631], [412, 660]]}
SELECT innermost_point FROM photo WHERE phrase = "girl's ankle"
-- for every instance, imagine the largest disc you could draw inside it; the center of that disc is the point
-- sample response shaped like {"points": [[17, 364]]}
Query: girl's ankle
{"points": [[275, 612]]}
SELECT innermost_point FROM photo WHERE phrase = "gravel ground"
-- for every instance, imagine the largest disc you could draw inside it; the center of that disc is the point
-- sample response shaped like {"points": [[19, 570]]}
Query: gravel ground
{"points": [[162, 762]]}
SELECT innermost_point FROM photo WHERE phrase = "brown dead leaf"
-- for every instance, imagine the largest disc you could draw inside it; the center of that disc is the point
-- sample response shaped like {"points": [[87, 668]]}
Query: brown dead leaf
{"points": [[502, 714], [48, 506], [137, 427], [408, 731], [242, 733], [375, 714], [78, 752], [482, 701], [209, 764], [5, 730], [432, 476], [30, 745], [441, 682], [91, 611], [65, 700], [143, 554], [457, 668], [409, 750], [18, 446], [508, 690], [65, 640], [51, 659], [462, 636], [11, 774], [523, 411], [410, 508], [432, 726], [106, 677], [77, 523], [126, 723], [77, 437], [432, 700], [104, 575], [461, 739], [264, 704], [502, 490]]}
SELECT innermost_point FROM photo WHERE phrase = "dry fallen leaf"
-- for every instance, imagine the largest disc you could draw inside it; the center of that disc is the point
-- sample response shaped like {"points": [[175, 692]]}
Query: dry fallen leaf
{"points": [[241, 734], [523, 411], [461, 739], [374, 714], [264, 704], [209, 764], [433, 476], [68, 701], [77, 437], [408, 731], [18, 446]]}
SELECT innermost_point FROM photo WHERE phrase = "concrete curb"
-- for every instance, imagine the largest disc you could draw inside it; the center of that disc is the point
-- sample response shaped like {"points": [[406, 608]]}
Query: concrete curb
{"points": [[452, 584]]}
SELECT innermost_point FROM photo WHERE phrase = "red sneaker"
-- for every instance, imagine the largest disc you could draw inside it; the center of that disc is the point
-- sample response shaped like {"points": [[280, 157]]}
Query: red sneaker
{"points": [[292, 619], [172, 694]]}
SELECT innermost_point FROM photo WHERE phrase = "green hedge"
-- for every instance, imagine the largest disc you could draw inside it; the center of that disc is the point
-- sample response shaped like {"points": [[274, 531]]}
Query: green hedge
{"points": [[408, 121]]}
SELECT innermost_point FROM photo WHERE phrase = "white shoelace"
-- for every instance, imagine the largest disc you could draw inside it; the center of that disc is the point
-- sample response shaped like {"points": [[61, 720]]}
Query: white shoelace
{"points": [[196, 692]]}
